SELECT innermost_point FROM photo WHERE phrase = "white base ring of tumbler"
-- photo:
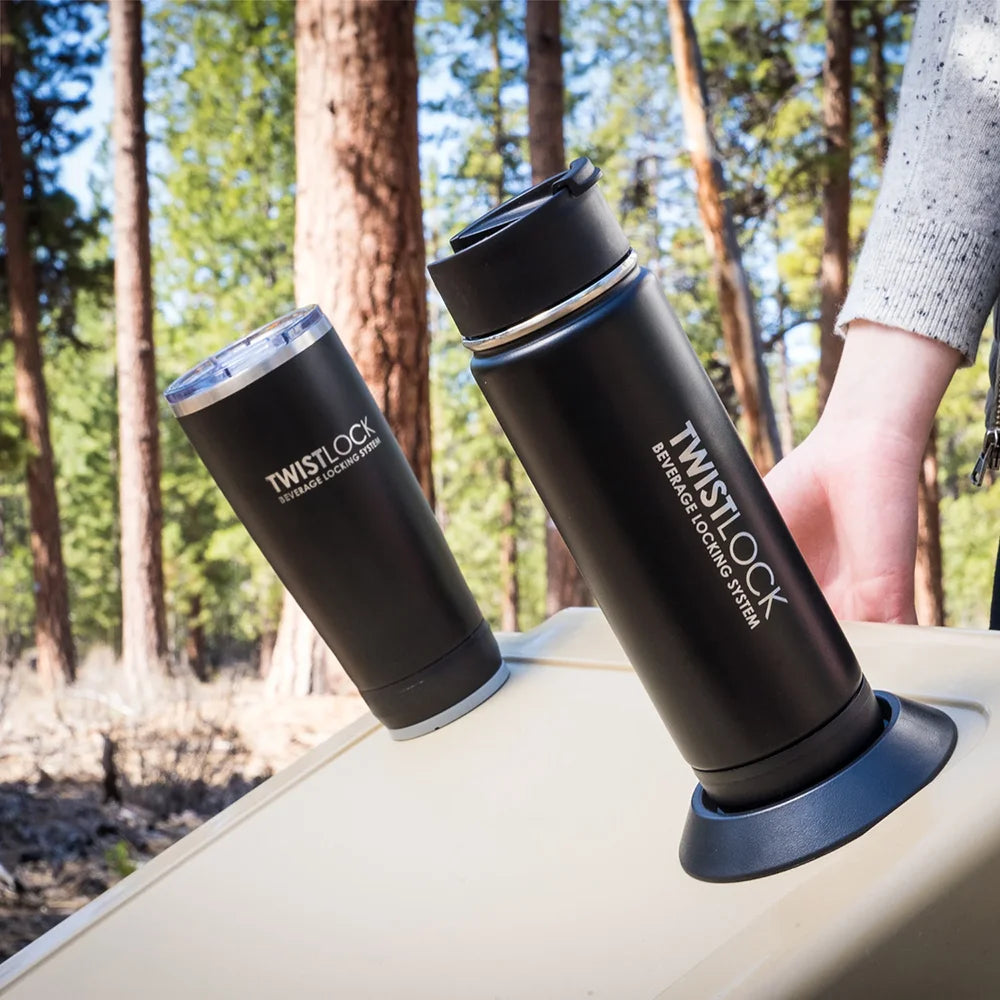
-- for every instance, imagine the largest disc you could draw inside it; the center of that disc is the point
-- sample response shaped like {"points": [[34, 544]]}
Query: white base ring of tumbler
{"points": [[466, 705]]}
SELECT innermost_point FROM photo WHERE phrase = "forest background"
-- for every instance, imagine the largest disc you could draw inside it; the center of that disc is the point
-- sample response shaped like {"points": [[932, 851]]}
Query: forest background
{"points": [[799, 96], [220, 135]]}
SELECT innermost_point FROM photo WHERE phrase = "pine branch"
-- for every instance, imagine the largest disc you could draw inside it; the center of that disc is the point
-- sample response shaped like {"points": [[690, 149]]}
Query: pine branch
{"points": [[779, 334]]}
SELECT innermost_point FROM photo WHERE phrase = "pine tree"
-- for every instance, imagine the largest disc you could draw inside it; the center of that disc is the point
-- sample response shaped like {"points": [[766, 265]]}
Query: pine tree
{"points": [[359, 246], [836, 186], [221, 89], [144, 640], [761, 76], [736, 306], [477, 150], [543, 27], [55, 646]]}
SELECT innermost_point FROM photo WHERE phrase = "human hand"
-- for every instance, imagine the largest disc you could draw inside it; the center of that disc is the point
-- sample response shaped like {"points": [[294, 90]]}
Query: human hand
{"points": [[849, 492], [851, 507]]}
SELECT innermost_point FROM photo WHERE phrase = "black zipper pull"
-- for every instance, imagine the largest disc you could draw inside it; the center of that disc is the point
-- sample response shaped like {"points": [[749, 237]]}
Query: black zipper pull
{"points": [[989, 457]]}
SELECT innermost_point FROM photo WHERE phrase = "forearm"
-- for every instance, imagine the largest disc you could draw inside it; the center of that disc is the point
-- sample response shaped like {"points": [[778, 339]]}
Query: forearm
{"points": [[931, 259], [887, 390]]}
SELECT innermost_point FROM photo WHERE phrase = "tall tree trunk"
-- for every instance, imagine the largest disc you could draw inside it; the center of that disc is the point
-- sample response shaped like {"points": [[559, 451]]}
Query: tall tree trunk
{"points": [[265, 652], [509, 589], [298, 652], [786, 424], [739, 323], [928, 577], [144, 631], [194, 642], [928, 585], [53, 638], [546, 108], [359, 241], [836, 187], [880, 114], [546, 93], [510, 595]]}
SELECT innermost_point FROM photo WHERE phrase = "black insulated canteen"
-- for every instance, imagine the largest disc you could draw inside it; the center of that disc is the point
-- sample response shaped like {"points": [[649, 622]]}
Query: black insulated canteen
{"points": [[621, 431]]}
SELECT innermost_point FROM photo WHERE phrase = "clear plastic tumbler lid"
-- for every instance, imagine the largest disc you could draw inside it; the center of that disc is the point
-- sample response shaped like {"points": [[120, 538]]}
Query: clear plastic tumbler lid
{"points": [[246, 360]]}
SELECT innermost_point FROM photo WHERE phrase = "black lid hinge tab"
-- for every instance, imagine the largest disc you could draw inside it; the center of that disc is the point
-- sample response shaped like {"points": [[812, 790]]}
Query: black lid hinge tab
{"points": [[581, 176]]}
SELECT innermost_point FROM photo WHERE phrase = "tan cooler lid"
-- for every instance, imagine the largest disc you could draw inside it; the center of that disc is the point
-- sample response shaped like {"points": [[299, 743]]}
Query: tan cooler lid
{"points": [[530, 850]]}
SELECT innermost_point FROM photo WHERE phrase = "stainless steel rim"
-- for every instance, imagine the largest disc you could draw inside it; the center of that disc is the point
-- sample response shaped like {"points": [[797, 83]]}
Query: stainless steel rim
{"points": [[479, 344], [182, 407]]}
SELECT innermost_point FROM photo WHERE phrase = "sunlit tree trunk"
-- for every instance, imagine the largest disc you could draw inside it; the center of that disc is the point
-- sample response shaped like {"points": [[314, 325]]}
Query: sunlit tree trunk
{"points": [[510, 596], [546, 99], [784, 416], [836, 187], [53, 638], [739, 323], [359, 242], [786, 422], [144, 642]]}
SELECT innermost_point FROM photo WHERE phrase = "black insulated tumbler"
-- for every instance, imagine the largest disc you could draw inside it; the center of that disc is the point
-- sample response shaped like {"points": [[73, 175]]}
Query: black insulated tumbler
{"points": [[287, 426], [634, 455]]}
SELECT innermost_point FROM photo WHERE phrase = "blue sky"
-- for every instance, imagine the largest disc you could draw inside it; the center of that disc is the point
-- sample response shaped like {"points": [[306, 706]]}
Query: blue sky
{"points": [[78, 165]]}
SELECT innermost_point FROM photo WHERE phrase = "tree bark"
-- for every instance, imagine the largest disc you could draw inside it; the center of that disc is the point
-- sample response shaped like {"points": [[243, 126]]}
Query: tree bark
{"points": [[880, 114], [786, 423], [144, 632], [509, 588], [194, 642], [298, 653], [740, 330], [359, 241], [546, 92], [265, 653], [546, 109], [928, 583], [836, 187], [53, 638], [510, 592]]}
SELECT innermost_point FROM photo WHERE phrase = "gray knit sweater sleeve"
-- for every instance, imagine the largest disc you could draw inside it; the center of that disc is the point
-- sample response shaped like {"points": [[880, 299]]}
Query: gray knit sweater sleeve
{"points": [[931, 259]]}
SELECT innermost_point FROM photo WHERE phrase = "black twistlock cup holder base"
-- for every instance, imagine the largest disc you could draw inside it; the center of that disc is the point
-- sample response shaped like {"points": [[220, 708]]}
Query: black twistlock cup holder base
{"points": [[719, 846]]}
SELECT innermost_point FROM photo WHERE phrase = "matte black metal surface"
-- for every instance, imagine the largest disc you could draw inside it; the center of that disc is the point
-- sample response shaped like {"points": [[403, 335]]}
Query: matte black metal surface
{"points": [[620, 429], [851, 731], [460, 672], [360, 548], [722, 846], [531, 252]]}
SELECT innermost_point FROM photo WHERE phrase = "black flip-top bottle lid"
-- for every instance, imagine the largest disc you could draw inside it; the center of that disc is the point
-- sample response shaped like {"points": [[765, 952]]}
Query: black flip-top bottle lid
{"points": [[530, 253]]}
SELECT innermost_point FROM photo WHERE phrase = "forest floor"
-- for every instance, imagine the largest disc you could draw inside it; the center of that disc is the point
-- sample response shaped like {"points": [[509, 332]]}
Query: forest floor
{"points": [[93, 784]]}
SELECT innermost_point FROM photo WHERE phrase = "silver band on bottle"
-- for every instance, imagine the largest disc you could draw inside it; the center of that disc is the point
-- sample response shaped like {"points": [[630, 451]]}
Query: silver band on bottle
{"points": [[585, 296]]}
